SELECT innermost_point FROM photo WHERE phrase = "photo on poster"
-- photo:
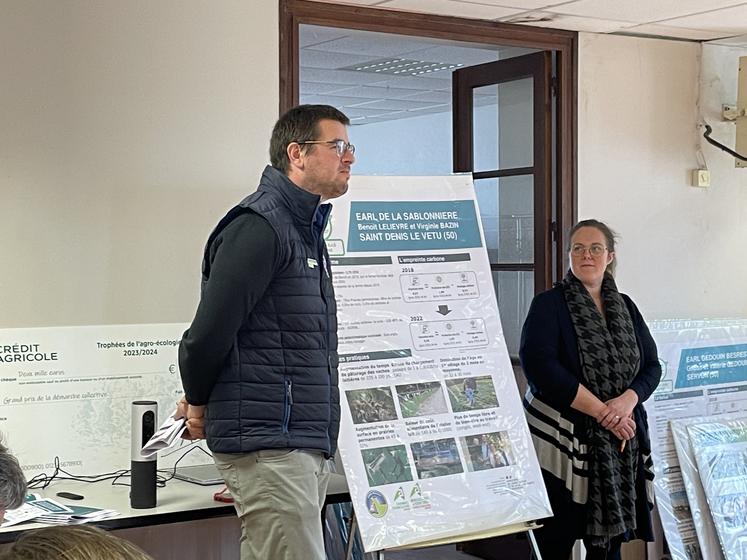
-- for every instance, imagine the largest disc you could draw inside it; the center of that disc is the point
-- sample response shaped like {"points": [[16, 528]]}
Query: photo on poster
{"points": [[471, 393], [680, 505], [371, 405], [435, 458], [730, 512], [421, 399], [487, 451], [728, 463], [386, 465]]}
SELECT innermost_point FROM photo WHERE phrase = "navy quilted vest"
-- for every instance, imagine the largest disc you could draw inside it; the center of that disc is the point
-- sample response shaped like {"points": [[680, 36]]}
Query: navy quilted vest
{"points": [[278, 388]]}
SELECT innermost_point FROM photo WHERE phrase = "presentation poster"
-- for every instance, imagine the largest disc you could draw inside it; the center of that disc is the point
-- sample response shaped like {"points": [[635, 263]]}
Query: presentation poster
{"points": [[721, 453], [67, 391], [695, 505], [704, 365], [433, 436]]}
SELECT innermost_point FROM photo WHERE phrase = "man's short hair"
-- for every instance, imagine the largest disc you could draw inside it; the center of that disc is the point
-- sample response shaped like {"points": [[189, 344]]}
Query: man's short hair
{"points": [[12, 481], [299, 124]]}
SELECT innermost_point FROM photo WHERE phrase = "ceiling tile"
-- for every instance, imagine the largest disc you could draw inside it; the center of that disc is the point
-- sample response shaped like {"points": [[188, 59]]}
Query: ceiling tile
{"points": [[397, 105], [313, 34], [322, 88], [376, 92], [363, 112], [640, 11], [337, 76], [451, 8], [373, 44], [354, 2], [461, 55], [441, 82], [561, 21], [345, 101], [329, 60], [522, 4], [429, 96], [740, 41], [659, 30], [729, 21]]}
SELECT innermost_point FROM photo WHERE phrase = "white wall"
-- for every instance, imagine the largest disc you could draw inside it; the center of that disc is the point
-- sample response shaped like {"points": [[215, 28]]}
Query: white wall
{"points": [[681, 252], [126, 129]]}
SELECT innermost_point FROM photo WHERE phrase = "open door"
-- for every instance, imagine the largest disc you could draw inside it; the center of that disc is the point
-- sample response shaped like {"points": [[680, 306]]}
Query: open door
{"points": [[503, 135]]}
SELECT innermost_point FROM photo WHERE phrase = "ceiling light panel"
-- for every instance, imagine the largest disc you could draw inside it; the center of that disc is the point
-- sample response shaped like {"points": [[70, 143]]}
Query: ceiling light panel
{"points": [[329, 60], [396, 66]]}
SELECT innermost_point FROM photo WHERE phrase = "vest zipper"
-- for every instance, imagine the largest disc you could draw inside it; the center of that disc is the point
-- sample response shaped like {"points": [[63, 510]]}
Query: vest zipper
{"points": [[287, 404], [325, 270]]}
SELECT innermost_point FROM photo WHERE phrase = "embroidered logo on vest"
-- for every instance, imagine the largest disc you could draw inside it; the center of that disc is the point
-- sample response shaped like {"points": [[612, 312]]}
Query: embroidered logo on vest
{"points": [[312, 263]]}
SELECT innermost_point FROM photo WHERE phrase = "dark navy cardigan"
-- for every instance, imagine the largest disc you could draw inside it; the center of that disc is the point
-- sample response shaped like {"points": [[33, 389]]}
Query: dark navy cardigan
{"points": [[550, 360]]}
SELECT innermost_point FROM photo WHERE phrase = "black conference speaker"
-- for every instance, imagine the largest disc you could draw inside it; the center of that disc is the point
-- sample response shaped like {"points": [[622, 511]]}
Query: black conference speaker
{"points": [[143, 479]]}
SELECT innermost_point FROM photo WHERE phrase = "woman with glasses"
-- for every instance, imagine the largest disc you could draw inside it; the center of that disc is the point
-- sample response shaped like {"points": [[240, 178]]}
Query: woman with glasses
{"points": [[590, 362]]}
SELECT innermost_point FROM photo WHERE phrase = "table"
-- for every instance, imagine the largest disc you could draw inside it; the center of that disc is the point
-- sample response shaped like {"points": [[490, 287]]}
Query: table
{"points": [[177, 502]]}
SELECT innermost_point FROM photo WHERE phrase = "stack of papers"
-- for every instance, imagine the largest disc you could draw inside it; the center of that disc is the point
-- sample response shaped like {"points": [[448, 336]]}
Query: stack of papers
{"points": [[26, 512], [166, 436], [46, 510], [76, 515]]}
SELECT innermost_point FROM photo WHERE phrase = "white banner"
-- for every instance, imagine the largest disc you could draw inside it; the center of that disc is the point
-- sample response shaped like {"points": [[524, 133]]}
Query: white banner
{"points": [[704, 365], [433, 437], [696, 505], [67, 392], [720, 448]]}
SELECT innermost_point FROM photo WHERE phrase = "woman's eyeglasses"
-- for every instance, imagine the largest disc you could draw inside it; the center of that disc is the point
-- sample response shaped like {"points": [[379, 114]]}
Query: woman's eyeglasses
{"points": [[595, 250]]}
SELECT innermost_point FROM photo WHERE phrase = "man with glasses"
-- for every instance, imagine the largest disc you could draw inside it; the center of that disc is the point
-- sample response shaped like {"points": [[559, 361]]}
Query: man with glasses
{"points": [[259, 362]]}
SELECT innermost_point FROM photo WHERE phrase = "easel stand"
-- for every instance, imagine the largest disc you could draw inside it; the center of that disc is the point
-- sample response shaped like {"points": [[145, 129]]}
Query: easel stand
{"points": [[380, 554], [533, 544]]}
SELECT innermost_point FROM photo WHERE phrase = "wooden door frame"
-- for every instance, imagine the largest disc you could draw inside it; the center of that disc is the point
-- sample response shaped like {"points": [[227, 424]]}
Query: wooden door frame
{"points": [[564, 43], [537, 66]]}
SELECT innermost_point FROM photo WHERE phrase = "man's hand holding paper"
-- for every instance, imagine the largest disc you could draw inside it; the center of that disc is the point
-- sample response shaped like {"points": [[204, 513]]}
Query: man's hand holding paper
{"points": [[195, 419]]}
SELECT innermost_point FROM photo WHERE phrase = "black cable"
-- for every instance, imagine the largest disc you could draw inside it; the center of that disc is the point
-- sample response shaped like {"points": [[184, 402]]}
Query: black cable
{"points": [[172, 472], [707, 136], [43, 480]]}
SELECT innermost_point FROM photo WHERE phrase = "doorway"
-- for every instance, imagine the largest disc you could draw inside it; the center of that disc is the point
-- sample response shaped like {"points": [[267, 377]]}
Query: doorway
{"points": [[396, 75]]}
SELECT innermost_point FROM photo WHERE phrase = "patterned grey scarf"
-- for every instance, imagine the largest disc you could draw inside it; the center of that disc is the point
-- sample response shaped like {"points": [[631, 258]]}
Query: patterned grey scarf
{"points": [[609, 361]]}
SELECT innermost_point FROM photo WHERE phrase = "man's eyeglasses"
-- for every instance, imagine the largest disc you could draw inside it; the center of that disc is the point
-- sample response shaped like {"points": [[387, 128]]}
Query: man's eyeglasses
{"points": [[341, 146], [595, 250]]}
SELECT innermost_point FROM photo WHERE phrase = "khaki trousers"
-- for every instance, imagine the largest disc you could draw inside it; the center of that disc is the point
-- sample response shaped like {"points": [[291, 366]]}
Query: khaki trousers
{"points": [[278, 495]]}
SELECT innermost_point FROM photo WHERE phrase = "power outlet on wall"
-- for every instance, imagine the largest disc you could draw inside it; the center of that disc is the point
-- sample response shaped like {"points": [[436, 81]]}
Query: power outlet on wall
{"points": [[701, 178]]}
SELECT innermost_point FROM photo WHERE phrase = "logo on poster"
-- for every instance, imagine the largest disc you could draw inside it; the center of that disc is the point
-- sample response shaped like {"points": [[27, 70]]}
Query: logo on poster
{"points": [[376, 503]]}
